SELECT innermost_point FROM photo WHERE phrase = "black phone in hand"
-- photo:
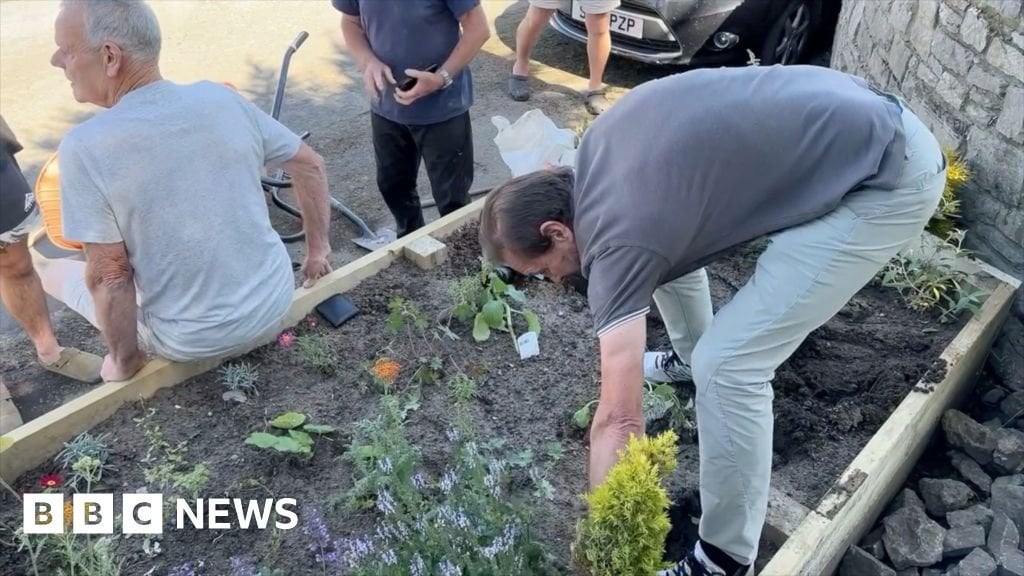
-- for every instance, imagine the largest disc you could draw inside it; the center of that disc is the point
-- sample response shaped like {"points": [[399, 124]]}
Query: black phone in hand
{"points": [[409, 82]]}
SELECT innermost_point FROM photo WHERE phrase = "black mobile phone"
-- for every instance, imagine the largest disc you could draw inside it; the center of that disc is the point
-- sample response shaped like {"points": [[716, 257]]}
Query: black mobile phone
{"points": [[337, 310], [409, 82]]}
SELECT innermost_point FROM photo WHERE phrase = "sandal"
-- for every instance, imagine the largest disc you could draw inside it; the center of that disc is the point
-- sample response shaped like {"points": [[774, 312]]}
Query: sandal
{"points": [[596, 102], [77, 365], [519, 87]]}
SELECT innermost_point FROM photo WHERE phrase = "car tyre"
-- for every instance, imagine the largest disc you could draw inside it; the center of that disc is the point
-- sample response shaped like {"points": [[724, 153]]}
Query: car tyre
{"points": [[792, 34]]}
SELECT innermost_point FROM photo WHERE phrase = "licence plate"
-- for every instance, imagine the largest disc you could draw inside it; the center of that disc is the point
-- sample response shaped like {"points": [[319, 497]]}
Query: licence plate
{"points": [[620, 21]]}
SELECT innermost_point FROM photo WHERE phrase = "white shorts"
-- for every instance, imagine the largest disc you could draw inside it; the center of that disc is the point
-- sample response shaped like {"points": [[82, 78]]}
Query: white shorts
{"points": [[589, 6]]}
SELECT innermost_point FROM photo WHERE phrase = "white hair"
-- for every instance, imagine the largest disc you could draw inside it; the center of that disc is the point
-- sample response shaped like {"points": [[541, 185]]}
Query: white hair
{"points": [[131, 24]]}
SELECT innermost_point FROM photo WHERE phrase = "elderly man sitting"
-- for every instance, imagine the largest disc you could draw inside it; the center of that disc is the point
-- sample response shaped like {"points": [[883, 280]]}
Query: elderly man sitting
{"points": [[163, 191]]}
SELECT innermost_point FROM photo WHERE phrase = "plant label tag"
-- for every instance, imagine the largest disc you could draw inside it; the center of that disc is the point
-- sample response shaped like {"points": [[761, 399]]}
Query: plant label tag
{"points": [[528, 345]]}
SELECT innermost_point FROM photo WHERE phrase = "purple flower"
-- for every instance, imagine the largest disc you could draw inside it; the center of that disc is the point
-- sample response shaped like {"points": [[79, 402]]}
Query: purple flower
{"points": [[186, 569], [315, 528], [501, 544], [385, 503], [389, 557], [453, 518], [354, 550], [419, 481], [448, 481], [418, 567], [243, 567], [385, 465], [449, 569], [453, 435]]}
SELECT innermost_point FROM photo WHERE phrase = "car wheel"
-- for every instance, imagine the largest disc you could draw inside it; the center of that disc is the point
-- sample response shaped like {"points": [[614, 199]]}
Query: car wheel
{"points": [[790, 36]]}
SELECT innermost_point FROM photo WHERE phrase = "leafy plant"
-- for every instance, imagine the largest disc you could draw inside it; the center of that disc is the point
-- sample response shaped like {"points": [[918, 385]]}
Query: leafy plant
{"points": [[85, 445], [240, 380], [429, 371], [492, 304], [317, 353], [165, 465], [944, 222], [930, 279], [405, 314], [657, 400], [462, 390], [296, 437], [624, 531], [462, 522]]}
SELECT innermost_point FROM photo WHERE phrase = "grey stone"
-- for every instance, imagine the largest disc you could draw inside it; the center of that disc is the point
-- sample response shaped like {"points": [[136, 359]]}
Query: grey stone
{"points": [[950, 18], [960, 541], [899, 56], [994, 425], [900, 15], [1013, 405], [922, 24], [944, 496], [993, 397], [932, 572], [912, 571], [977, 113], [971, 471], [1008, 456], [964, 433], [912, 539], [907, 498], [1004, 535], [951, 54], [1008, 499], [1011, 121], [977, 563], [1011, 480], [1007, 8], [1011, 563], [974, 30], [872, 543], [977, 515], [1006, 58], [1007, 358], [857, 562], [1018, 39], [952, 89], [960, 5], [982, 78], [1004, 164]]}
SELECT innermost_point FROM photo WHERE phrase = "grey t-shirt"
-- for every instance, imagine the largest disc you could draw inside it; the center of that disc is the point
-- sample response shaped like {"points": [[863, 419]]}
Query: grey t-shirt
{"points": [[415, 34], [173, 171], [685, 167]]}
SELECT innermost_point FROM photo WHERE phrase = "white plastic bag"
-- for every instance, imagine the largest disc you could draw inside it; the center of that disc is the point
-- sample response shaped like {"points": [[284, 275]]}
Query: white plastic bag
{"points": [[532, 142]]}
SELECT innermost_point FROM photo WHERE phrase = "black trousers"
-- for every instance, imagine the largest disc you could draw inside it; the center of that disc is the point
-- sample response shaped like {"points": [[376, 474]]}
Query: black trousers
{"points": [[446, 149]]}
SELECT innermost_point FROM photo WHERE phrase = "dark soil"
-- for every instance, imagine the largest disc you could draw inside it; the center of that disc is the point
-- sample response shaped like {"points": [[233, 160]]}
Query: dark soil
{"points": [[831, 396]]}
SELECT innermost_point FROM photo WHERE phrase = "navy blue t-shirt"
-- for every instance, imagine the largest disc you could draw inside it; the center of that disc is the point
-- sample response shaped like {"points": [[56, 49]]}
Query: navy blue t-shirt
{"points": [[415, 34]]}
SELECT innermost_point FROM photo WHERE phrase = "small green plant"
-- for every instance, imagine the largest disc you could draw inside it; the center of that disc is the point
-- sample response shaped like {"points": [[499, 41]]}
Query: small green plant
{"points": [[658, 399], [405, 314], [85, 445], [429, 371], [539, 474], [296, 437], [624, 531], [317, 353], [944, 222], [240, 380], [492, 304], [165, 467], [930, 279], [463, 390]]}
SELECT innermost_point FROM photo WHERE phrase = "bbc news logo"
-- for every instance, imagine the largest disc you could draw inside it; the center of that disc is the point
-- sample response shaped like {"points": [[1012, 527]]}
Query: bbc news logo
{"points": [[144, 514]]}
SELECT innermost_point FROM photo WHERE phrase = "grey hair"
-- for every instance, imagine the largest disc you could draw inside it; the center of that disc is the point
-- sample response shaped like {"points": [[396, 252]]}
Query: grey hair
{"points": [[131, 24]]}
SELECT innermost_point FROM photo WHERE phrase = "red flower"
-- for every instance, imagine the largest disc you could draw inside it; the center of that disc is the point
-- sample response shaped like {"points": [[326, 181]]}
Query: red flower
{"points": [[51, 481], [311, 321]]}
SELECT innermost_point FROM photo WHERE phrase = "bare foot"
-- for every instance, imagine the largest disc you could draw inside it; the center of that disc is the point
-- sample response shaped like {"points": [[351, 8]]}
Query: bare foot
{"points": [[118, 371]]}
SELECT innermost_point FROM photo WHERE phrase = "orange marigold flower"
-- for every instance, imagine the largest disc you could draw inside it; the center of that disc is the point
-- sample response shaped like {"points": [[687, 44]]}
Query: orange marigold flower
{"points": [[50, 481], [386, 369]]}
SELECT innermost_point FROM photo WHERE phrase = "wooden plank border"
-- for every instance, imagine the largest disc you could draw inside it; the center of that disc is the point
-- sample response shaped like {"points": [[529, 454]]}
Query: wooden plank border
{"points": [[32, 443], [874, 476]]}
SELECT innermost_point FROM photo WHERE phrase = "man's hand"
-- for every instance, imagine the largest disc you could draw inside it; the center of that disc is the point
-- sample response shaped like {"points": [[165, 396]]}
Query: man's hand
{"points": [[620, 408], [375, 75], [113, 371], [426, 84], [315, 267]]}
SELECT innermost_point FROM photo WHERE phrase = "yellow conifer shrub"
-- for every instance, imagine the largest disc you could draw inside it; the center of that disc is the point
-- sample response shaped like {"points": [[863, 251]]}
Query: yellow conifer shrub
{"points": [[625, 529], [948, 212]]}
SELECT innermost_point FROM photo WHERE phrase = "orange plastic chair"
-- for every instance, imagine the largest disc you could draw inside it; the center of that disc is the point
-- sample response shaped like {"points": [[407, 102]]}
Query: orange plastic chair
{"points": [[48, 199]]}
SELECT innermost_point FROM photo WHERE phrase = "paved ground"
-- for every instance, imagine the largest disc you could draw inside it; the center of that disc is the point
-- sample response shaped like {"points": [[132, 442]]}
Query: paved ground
{"points": [[242, 42]]}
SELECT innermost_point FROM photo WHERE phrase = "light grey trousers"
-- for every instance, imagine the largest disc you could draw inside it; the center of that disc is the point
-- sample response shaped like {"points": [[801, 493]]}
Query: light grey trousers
{"points": [[804, 277]]}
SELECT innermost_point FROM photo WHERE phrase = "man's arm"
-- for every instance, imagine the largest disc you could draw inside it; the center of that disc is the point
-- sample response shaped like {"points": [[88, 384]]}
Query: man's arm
{"points": [[620, 407], [111, 281], [475, 32], [375, 72], [309, 180]]}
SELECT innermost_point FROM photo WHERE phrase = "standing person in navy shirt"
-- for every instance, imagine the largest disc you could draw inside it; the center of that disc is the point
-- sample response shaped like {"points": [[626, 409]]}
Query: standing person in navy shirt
{"points": [[432, 43]]}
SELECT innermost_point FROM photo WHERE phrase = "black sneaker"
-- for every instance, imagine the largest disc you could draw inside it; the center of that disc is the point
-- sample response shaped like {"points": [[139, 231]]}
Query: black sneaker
{"points": [[666, 367], [691, 566]]}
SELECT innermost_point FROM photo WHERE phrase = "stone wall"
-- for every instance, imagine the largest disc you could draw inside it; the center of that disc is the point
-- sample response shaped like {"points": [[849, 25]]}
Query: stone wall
{"points": [[959, 64]]}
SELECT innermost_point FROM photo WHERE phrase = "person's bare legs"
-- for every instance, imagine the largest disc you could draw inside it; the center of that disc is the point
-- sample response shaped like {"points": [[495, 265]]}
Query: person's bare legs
{"points": [[599, 48], [527, 34], [23, 296]]}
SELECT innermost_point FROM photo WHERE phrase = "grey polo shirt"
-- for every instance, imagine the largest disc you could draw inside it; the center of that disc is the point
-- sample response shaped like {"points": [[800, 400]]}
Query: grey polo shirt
{"points": [[685, 167]]}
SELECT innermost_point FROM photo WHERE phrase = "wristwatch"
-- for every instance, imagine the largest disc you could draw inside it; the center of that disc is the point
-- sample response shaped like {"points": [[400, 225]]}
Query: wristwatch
{"points": [[446, 76]]}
